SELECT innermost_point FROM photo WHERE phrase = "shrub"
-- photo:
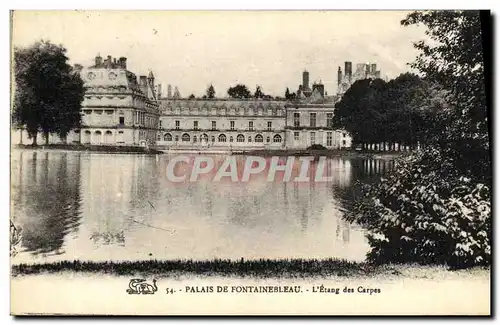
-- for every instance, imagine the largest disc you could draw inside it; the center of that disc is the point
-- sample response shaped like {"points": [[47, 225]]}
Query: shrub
{"points": [[316, 147], [426, 212]]}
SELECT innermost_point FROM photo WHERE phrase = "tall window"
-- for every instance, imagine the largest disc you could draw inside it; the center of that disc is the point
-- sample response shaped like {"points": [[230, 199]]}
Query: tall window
{"points": [[250, 125], [231, 125], [269, 125], [177, 125], [296, 136], [328, 139], [296, 119], [122, 120], [214, 125], [312, 120], [313, 137], [329, 120], [160, 124], [195, 125]]}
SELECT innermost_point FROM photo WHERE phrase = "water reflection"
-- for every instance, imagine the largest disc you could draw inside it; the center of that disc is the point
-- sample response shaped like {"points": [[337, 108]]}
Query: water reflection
{"points": [[46, 199], [102, 207]]}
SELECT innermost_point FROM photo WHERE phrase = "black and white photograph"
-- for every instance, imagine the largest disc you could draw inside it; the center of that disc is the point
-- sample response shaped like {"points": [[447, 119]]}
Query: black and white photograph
{"points": [[251, 162]]}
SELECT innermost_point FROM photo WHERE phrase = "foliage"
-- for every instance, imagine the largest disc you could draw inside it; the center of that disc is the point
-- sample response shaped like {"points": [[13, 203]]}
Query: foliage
{"points": [[258, 92], [427, 212], [239, 91], [436, 206], [48, 92], [210, 92], [316, 147], [398, 111], [192, 96]]}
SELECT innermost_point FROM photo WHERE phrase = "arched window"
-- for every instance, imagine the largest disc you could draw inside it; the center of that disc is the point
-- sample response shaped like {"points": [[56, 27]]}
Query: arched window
{"points": [[277, 138], [167, 137], [259, 138], [222, 138], [186, 137], [240, 138], [204, 137]]}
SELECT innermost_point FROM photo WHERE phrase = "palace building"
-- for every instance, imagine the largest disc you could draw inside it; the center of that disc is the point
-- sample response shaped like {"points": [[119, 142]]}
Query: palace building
{"points": [[118, 108], [252, 124]]}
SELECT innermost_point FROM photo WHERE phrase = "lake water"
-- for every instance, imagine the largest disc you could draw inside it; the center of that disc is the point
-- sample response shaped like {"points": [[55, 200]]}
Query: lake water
{"points": [[92, 206]]}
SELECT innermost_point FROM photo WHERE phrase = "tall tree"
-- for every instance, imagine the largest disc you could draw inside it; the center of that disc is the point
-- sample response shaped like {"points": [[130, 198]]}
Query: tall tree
{"points": [[287, 93], [210, 92], [48, 91], [454, 59], [239, 91]]}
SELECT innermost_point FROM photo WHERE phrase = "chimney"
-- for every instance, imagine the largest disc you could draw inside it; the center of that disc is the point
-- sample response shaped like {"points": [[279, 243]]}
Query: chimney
{"points": [[373, 68], [305, 80], [367, 70], [108, 62], [158, 91], [123, 62], [348, 70], [143, 84], [339, 76], [169, 91], [98, 60]]}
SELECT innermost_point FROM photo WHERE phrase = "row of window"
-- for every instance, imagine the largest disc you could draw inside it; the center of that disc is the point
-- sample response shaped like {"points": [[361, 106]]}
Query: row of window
{"points": [[221, 138], [226, 112], [312, 138], [312, 120], [231, 125]]}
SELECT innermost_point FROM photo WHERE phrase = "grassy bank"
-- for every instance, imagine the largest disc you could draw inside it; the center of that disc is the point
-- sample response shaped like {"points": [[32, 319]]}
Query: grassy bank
{"points": [[91, 148], [243, 268], [262, 268]]}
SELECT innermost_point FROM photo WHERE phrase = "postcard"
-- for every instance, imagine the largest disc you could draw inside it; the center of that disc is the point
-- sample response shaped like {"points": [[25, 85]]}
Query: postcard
{"points": [[250, 163]]}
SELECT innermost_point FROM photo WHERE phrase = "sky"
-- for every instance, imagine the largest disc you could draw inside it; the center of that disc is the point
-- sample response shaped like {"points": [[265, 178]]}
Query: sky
{"points": [[192, 49]]}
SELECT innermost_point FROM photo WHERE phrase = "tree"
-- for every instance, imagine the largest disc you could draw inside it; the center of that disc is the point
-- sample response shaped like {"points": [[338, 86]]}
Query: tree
{"points": [[210, 92], [258, 93], [239, 91], [436, 206], [454, 59], [48, 91], [287, 93], [191, 96]]}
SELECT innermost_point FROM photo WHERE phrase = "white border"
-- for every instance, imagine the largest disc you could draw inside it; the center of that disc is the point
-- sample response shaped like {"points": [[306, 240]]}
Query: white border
{"points": [[194, 5]]}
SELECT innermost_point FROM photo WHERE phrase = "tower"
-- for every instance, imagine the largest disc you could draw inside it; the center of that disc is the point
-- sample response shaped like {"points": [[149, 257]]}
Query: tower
{"points": [[339, 76], [305, 80]]}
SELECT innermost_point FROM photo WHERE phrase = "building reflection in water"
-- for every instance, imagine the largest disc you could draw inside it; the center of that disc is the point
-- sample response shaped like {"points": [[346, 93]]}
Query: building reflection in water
{"points": [[101, 207]]}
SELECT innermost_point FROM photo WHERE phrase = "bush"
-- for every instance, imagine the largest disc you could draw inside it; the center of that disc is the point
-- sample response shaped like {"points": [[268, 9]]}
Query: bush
{"points": [[426, 212], [316, 147]]}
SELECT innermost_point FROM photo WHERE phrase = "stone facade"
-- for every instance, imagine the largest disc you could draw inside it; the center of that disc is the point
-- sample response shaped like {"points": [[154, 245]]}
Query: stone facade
{"points": [[118, 109], [227, 124], [222, 124], [347, 78]]}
